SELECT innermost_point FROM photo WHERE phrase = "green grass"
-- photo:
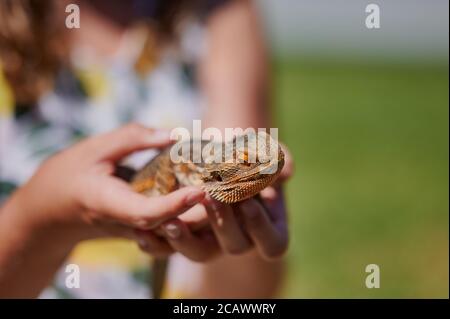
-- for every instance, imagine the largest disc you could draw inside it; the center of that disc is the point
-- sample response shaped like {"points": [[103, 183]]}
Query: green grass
{"points": [[370, 143]]}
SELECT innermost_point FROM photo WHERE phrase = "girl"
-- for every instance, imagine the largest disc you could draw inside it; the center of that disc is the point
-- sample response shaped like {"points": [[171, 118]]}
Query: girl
{"points": [[161, 64]]}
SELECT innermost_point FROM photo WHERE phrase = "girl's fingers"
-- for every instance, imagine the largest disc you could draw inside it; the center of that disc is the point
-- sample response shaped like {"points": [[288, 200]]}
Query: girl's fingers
{"points": [[269, 194], [270, 241], [226, 227], [119, 143], [152, 244], [112, 199], [115, 230], [288, 168], [181, 239]]}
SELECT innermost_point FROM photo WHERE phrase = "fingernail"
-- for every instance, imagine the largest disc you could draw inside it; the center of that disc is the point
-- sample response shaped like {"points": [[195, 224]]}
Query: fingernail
{"points": [[172, 230], [216, 205], [142, 224], [142, 243], [269, 193], [160, 136], [195, 197]]}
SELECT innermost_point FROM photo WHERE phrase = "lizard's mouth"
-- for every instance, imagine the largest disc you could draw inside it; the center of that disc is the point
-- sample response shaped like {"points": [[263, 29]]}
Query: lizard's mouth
{"points": [[230, 193], [244, 184]]}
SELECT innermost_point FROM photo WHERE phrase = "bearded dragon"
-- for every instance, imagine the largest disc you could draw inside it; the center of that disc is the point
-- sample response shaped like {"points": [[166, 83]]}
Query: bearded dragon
{"points": [[229, 172]]}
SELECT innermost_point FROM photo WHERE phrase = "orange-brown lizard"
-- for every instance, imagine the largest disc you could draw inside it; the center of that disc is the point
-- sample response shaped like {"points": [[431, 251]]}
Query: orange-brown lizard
{"points": [[229, 172]]}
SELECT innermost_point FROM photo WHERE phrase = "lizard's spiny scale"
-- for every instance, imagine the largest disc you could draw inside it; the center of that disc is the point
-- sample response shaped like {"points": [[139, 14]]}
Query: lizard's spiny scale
{"points": [[240, 180], [237, 181]]}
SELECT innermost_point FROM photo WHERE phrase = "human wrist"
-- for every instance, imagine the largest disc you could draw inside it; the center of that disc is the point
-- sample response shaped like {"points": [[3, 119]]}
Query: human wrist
{"points": [[30, 220]]}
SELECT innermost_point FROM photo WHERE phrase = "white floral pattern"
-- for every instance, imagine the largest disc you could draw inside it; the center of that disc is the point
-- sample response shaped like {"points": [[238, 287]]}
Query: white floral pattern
{"points": [[165, 98]]}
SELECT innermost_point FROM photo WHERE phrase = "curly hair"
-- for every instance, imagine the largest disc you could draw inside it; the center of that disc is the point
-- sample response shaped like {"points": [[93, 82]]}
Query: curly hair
{"points": [[33, 45]]}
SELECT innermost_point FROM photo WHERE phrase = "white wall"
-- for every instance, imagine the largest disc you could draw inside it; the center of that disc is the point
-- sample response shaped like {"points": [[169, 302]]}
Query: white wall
{"points": [[410, 29]]}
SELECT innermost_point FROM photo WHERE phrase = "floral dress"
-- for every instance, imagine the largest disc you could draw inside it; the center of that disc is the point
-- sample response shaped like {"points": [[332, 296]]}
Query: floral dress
{"points": [[93, 97]]}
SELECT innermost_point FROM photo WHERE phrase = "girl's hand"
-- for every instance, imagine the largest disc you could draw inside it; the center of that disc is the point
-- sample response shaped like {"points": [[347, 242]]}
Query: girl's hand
{"points": [[236, 229], [75, 190]]}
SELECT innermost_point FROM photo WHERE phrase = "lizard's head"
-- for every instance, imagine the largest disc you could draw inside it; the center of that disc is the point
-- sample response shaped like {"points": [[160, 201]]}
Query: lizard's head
{"points": [[249, 163]]}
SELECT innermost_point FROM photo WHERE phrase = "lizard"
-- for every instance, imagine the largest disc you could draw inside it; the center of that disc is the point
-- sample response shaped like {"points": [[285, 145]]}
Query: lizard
{"points": [[229, 172]]}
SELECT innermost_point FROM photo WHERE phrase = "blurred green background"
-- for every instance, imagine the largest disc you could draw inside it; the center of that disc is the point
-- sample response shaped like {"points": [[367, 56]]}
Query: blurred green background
{"points": [[370, 142], [365, 114]]}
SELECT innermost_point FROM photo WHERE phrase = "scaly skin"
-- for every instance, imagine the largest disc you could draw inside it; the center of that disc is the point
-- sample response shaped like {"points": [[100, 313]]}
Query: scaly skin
{"points": [[238, 174]]}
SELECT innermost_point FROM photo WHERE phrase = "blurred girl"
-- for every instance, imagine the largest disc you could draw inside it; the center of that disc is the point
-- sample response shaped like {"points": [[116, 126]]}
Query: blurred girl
{"points": [[158, 63]]}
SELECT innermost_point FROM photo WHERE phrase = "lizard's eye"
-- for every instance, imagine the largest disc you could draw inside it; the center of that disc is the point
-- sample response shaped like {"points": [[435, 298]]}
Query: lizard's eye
{"points": [[216, 176], [243, 159]]}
